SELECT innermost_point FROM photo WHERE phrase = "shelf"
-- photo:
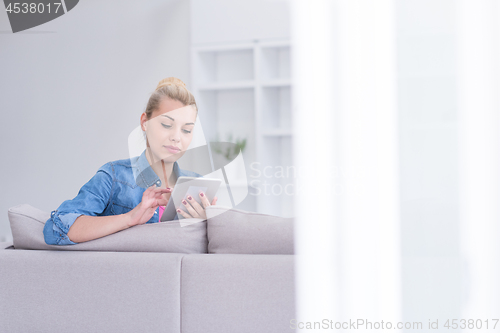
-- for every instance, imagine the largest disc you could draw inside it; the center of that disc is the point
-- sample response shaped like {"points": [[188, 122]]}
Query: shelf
{"points": [[277, 83], [276, 109], [275, 63], [277, 132], [228, 112], [224, 66], [227, 85], [277, 151], [218, 47], [277, 173], [244, 89], [244, 84], [274, 43]]}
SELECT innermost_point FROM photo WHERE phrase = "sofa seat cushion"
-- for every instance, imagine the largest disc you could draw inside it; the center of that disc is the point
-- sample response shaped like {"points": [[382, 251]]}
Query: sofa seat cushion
{"points": [[27, 223], [236, 231]]}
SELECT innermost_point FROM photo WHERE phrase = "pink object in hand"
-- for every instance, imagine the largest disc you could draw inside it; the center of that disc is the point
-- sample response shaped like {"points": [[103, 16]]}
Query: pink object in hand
{"points": [[161, 208]]}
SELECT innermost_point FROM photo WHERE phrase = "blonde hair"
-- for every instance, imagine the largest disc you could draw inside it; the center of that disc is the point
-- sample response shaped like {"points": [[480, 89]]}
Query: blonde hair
{"points": [[172, 88]]}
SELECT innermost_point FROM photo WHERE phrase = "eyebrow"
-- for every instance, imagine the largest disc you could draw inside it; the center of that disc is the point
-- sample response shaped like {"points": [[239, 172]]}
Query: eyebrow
{"points": [[164, 115]]}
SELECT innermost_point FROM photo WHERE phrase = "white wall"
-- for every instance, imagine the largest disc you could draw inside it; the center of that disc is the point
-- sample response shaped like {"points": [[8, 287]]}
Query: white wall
{"points": [[74, 88], [225, 21]]}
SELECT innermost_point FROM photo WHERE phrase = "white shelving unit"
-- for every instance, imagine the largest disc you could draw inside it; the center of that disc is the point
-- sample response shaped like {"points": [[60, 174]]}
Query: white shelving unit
{"points": [[244, 89]]}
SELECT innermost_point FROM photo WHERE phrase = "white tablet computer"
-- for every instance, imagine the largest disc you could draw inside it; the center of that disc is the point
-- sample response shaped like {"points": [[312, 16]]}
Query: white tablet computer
{"points": [[189, 186]]}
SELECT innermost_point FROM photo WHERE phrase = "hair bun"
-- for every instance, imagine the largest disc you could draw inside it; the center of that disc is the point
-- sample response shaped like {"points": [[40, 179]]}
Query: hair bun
{"points": [[173, 81]]}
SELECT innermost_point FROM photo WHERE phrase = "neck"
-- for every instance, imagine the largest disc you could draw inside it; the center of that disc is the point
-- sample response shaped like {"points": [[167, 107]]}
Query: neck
{"points": [[164, 170]]}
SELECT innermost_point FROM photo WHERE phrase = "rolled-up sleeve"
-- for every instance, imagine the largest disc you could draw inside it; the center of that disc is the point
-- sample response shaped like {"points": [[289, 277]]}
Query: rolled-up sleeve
{"points": [[91, 200]]}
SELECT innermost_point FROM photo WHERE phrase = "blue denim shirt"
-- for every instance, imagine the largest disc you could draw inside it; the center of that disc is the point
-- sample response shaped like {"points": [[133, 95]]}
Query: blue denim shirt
{"points": [[116, 188]]}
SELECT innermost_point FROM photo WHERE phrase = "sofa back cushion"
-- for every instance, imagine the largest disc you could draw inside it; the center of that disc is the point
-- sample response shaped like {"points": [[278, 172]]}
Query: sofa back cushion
{"points": [[27, 224], [232, 230]]}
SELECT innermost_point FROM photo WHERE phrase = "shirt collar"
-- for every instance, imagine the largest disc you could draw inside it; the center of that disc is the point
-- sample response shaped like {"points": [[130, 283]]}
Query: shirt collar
{"points": [[144, 174]]}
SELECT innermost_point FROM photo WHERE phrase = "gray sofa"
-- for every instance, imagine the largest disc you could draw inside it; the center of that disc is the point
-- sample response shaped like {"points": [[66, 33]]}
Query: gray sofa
{"points": [[106, 291]]}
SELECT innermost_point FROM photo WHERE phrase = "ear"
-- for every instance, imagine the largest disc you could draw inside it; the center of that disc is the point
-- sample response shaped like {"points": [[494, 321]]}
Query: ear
{"points": [[143, 121]]}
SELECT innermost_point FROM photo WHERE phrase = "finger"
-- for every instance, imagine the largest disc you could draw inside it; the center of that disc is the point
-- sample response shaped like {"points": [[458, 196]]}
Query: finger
{"points": [[161, 202], [183, 213], [158, 201], [149, 189], [162, 190], [195, 205], [158, 193], [156, 197], [166, 196], [152, 190], [214, 201], [148, 198], [204, 200], [155, 203], [190, 209]]}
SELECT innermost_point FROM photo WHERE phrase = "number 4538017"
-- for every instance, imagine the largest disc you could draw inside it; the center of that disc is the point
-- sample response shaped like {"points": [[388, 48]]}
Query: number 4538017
{"points": [[471, 324], [25, 7]]}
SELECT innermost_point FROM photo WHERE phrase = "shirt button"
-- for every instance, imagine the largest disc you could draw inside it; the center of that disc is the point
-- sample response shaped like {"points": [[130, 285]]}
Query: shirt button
{"points": [[158, 183]]}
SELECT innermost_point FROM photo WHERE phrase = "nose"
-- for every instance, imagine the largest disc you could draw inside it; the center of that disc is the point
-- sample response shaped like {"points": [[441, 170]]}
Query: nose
{"points": [[175, 135]]}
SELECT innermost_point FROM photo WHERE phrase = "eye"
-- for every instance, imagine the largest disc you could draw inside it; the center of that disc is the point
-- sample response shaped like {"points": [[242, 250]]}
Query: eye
{"points": [[186, 131], [166, 126]]}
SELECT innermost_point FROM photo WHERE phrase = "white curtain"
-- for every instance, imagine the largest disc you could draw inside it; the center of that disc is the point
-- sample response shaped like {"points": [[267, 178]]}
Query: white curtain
{"points": [[478, 50], [345, 142]]}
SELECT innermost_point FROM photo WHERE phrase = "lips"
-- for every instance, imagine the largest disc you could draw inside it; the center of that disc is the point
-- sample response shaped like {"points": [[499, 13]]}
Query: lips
{"points": [[173, 149]]}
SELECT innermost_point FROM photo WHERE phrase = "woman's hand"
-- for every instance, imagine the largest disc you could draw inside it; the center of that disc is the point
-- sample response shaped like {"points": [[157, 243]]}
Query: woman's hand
{"points": [[195, 210], [152, 198]]}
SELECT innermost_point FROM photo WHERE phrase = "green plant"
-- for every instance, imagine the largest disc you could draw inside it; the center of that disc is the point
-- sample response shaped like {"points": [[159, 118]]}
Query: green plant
{"points": [[230, 152]]}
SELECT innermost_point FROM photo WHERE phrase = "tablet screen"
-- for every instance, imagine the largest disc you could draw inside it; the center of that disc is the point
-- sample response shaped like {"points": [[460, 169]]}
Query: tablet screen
{"points": [[189, 186]]}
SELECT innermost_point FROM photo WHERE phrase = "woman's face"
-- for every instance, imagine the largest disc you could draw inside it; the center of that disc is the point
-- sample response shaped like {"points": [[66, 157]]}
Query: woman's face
{"points": [[170, 129]]}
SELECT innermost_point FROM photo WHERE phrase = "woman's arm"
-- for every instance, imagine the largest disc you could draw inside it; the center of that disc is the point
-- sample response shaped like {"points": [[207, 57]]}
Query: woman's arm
{"points": [[91, 200], [87, 228]]}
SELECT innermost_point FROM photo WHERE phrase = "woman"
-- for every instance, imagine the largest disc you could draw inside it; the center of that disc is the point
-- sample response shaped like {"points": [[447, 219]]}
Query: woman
{"points": [[129, 192]]}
